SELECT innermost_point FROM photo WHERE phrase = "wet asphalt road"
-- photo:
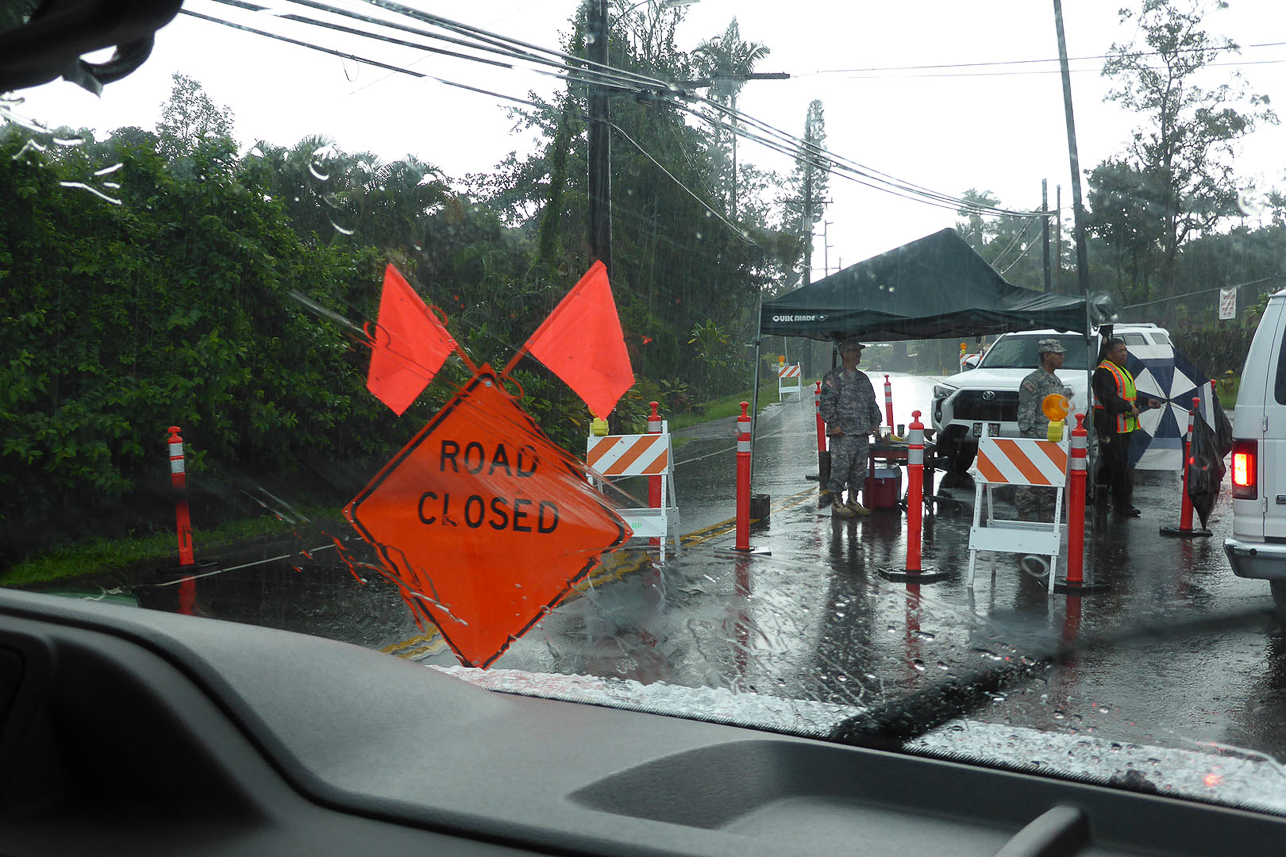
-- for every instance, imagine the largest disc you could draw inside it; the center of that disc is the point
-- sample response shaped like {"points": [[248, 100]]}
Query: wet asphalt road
{"points": [[816, 620]]}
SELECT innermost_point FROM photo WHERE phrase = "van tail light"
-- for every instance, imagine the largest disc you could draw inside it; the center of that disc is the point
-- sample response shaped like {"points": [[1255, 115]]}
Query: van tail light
{"points": [[1245, 469]]}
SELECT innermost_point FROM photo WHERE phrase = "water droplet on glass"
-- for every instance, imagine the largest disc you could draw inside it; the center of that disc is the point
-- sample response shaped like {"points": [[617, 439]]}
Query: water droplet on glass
{"points": [[699, 236], [95, 191], [106, 171], [69, 141], [943, 666], [1059, 714], [924, 635], [342, 230], [1251, 203], [112, 185], [918, 664], [30, 145]]}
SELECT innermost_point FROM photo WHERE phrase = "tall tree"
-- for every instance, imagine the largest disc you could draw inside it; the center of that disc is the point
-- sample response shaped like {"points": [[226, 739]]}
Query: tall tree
{"points": [[728, 60], [808, 184], [190, 117], [1185, 150]]}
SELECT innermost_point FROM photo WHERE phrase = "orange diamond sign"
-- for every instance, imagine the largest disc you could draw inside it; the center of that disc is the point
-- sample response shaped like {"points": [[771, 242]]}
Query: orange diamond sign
{"points": [[484, 521]]}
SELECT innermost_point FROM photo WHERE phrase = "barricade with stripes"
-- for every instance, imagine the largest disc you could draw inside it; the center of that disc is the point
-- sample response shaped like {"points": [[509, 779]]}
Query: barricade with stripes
{"points": [[790, 382], [1022, 462], [616, 456]]}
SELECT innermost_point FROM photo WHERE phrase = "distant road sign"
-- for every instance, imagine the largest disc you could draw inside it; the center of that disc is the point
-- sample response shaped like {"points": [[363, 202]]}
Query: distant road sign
{"points": [[485, 521]]}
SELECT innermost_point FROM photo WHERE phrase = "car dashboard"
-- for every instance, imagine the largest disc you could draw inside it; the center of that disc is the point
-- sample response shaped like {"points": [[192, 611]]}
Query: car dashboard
{"points": [[126, 731]]}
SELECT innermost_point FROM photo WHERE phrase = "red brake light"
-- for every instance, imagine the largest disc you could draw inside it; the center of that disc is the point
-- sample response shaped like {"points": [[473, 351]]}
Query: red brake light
{"points": [[1245, 469]]}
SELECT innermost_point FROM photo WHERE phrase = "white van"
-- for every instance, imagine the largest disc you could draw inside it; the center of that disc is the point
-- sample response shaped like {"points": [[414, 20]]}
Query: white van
{"points": [[1257, 548]]}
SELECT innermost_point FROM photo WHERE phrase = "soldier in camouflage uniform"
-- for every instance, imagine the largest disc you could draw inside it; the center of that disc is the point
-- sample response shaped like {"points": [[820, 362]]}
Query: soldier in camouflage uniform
{"points": [[851, 414], [1037, 504]]}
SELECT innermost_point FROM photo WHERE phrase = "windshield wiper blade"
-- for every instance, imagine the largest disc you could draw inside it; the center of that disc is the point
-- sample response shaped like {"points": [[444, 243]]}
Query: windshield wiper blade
{"points": [[890, 726]]}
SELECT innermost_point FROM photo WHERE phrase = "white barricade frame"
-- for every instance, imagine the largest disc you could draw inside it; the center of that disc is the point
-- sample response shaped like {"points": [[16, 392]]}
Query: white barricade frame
{"points": [[1021, 462], [790, 382], [616, 456]]}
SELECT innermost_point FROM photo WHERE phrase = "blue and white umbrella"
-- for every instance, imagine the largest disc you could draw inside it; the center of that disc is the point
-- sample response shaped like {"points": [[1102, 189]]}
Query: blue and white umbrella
{"points": [[1162, 373]]}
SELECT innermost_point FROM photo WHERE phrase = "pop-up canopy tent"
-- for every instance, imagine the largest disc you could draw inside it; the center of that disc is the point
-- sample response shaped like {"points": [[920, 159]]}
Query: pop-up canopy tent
{"points": [[934, 288]]}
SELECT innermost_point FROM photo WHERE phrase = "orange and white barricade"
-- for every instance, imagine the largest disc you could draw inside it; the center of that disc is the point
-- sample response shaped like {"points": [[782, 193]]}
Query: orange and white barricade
{"points": [[616, 456], [1021, 462], [789, 382]]}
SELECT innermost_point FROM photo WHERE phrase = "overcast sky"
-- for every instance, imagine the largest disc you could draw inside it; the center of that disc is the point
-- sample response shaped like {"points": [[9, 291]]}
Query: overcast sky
{"points": [[990, 127]]}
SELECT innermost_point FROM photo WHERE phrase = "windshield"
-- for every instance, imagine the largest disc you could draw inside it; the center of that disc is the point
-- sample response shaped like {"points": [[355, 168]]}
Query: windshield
{"points": [[429, 329], [1022, 352]]}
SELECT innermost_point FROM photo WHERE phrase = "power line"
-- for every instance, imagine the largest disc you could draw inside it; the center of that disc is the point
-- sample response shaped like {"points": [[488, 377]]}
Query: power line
{"points": [[993, 63], [783, 143]]}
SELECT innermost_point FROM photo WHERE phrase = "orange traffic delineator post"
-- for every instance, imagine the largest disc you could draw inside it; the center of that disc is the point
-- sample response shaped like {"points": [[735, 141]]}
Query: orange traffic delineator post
{"points": [[823, 454], [178, 480], [1185, 529], [1074, 582], [913, 572], [888, 402], [742, 545]]}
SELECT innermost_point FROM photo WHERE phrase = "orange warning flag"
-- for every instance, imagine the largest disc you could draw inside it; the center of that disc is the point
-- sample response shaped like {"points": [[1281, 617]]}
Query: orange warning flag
{"points": [[409, 347], [581, 342]]}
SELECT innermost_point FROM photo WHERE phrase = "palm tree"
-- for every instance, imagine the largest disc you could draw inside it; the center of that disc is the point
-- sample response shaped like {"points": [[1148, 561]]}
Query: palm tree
{"points": [[728, 61]]}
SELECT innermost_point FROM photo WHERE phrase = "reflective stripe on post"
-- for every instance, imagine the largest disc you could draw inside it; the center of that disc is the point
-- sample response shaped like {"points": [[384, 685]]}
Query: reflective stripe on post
{"points": [[178, 479], [888, 402]]}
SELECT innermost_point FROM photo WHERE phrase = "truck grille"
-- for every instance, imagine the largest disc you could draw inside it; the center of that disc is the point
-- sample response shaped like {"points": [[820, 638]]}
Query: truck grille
{"points": [[970, 405]]}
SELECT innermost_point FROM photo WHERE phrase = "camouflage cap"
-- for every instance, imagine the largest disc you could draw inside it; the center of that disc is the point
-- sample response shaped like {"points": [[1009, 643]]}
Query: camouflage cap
{"points": [[1050, 346], [851, 344]]}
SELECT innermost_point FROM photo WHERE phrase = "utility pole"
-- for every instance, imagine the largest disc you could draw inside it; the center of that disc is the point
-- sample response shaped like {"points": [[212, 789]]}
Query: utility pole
{"points": [[1078, 219], [1058, 239], [1044, 206], [807, 224], [826, 246], [599, 139]]}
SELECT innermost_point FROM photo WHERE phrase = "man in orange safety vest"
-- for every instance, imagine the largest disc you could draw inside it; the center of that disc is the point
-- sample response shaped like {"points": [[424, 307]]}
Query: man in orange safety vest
{"points": [[1116, 417]]}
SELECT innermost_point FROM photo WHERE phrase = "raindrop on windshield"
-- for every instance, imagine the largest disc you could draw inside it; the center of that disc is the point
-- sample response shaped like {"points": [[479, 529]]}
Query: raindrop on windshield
{"points": [[1251, 203], [95, 191], [69, 141], [342, 230], [106, 171], [918, 664]]}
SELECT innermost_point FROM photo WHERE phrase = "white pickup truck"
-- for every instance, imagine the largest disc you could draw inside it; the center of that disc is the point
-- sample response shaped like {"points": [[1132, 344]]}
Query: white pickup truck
{"points": [[963, 404]]}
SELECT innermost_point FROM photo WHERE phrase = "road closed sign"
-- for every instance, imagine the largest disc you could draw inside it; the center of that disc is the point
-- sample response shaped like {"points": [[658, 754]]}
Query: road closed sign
{"points": [[485, 522]]}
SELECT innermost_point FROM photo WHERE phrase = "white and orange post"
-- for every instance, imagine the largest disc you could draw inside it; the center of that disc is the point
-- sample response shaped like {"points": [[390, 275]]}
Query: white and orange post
{"points": [[914, 572], [178, 480], [655, 490], [914, 490], [1185, 530], [743, 480], [823, 454], [1076, 505], [888, 403]]}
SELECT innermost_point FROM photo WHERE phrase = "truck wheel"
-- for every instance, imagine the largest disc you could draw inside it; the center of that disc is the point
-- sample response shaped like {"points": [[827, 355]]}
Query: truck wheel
{"points": [[1279, 593]]}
